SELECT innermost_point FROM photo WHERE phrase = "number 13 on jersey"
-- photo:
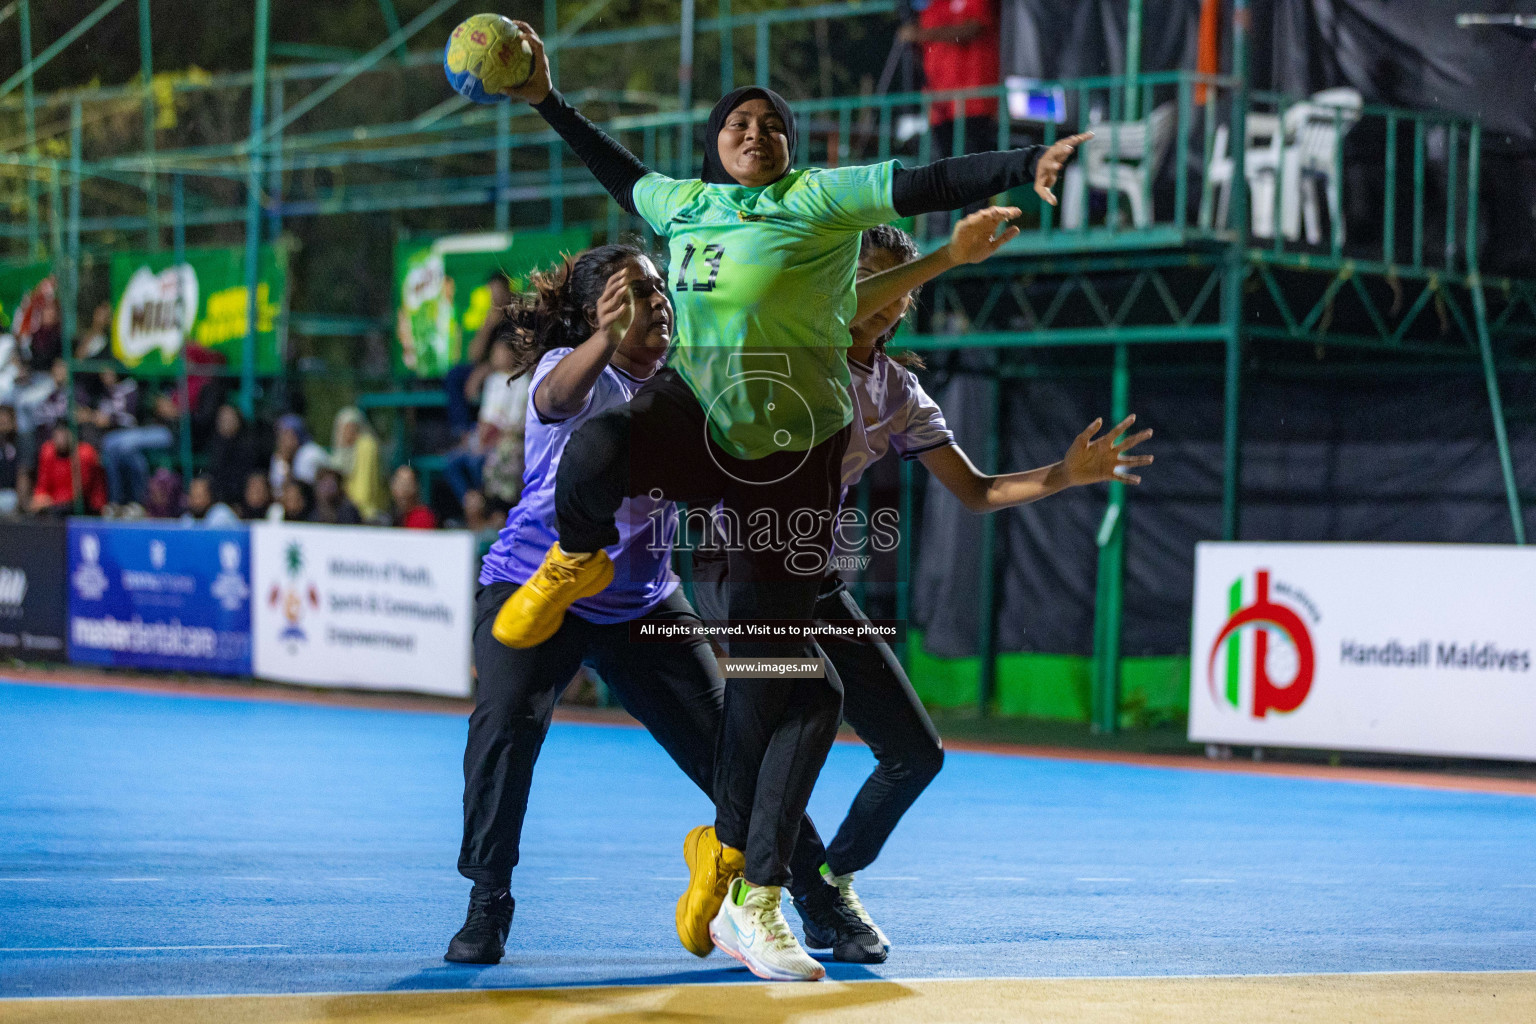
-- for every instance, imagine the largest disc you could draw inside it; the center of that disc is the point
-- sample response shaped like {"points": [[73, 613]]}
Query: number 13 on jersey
{"points": [[712, 255]]}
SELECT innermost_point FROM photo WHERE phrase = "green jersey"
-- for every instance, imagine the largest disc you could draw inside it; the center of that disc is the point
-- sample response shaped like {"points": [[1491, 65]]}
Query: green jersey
{"points": [[762, 281]]}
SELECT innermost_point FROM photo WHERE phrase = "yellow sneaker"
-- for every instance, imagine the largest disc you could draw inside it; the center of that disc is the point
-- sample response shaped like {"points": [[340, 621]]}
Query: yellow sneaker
{"points": [[535, 610], [710, 870]]}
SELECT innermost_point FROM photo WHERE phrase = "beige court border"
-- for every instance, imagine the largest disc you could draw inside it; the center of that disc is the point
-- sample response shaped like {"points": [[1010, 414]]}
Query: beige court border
{"points": [[1408, 998]]}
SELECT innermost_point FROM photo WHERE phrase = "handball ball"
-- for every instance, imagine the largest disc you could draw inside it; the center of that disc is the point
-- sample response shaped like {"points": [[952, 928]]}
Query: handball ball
{"points": [[487, 53]]}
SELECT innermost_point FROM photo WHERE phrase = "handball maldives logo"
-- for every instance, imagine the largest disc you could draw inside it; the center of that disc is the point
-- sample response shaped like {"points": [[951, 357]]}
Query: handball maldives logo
{"points": [[295, 598], [1270, 636]]}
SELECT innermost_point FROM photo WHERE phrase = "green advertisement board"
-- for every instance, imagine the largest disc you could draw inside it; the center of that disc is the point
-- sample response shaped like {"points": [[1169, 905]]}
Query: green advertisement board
{"points": [[16, 280], [442, 291], [157, 304]]}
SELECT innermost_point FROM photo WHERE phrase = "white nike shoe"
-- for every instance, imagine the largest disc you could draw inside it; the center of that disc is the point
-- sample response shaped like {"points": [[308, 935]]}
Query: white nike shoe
{"points": [[757, 934], [844, 885]]}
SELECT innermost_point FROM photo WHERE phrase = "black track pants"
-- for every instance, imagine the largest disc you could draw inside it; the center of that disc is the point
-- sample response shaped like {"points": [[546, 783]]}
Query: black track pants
{"points": [[881, 706], [776, 734], [673, 688]]}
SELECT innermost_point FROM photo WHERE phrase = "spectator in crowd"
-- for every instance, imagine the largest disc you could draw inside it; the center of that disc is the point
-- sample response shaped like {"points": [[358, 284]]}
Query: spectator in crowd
{"points": [[93, 344], [38, 324], [462, 383], [232, 456], [203, 509], [295, 454], [298, 501], [10, 461], [55, 490], [355, 453], [503, 403], [959, 42], [483, 513], [114, 408], [256, 499], [41, 400], [162, 495], [124, 450], [405, 489], [331, 502]]}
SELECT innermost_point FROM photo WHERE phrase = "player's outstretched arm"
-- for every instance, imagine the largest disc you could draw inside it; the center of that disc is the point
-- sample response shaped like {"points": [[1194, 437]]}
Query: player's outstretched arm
{"points": [[959, 181], [1089, 460], [614, 167], [564, 390], [974, 239]]}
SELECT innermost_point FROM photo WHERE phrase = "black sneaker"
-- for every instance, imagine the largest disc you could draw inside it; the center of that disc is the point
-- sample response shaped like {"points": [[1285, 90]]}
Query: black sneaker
{"points": [[830, 925], [483, 938]]}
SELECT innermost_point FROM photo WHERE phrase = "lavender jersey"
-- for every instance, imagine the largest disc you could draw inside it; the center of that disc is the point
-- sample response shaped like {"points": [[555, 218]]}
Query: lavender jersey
{"points": [[890, 410], [642, 577]]}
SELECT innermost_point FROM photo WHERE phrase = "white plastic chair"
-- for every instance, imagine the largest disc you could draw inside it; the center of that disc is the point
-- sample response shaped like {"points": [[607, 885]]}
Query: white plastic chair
{"points": [[1139, 148], [1306, 141]]}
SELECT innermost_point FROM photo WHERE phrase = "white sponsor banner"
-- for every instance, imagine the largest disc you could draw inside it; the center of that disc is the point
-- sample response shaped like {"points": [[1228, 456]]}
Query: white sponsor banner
{"points": [[1409, 648], [362, 607]]}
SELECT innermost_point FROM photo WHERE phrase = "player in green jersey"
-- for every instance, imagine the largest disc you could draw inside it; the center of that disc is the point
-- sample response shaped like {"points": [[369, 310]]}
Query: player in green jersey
{"points": [[752, 412]]}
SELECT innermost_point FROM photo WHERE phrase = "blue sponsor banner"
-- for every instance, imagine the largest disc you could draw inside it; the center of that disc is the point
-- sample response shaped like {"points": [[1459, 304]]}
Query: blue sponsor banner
{"points": [[160, 596]]}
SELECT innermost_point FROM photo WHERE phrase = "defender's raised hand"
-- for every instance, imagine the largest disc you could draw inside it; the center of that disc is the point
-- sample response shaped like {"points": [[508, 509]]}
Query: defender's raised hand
{"points": [[975, 236], [1053, 161], [615, 307], [1093, 460]]}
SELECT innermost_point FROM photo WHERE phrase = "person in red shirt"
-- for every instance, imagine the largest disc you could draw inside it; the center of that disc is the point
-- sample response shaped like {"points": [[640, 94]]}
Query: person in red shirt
{"points": [[959, 40], [405, 489], [55, 491]]}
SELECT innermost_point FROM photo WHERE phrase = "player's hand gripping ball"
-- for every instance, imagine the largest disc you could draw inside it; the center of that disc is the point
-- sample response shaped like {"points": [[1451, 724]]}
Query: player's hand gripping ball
{"points": [[487, 54]]}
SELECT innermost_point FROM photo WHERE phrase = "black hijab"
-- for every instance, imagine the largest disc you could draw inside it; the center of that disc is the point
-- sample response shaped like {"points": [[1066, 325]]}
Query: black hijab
{"points": [[714, 171]]}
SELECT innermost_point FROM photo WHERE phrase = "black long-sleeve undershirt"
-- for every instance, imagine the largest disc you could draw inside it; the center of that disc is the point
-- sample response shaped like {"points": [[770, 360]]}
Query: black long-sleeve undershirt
{"points": [[947, 184], [614, 167]]}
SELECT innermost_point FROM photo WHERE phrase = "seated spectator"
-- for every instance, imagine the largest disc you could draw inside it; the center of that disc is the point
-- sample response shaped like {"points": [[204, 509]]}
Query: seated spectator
{"points": [[295, 453], [405, 489], [355, 454], [482, 513], [41, 400], [232, 456], [55, 490], [115, 407], [331, 502], [204, 510], [93, 344], [123, 451], [503, 403], [462, 383], [10, 461], [162, 495], [298, 501], [38, 323], [256, 499]]}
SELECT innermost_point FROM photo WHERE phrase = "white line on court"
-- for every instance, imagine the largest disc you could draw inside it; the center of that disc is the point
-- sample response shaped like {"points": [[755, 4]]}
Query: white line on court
{"points": [[37, 879], [129, 949]]}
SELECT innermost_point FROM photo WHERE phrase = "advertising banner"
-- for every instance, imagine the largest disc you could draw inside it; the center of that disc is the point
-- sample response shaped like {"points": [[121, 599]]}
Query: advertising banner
{"points": [[363, 607], [1406, 648], [159, 596], [158, 303], [442, 294], [32, 600]]}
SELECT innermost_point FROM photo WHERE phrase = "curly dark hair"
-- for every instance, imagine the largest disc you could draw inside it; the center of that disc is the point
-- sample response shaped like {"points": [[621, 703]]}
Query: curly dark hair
{"points": [[555, 313], [890, 238]]}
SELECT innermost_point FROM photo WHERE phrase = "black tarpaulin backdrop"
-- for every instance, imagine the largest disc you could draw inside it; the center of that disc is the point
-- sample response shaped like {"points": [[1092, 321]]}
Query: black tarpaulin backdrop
{"points": [[1351, 458]]}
